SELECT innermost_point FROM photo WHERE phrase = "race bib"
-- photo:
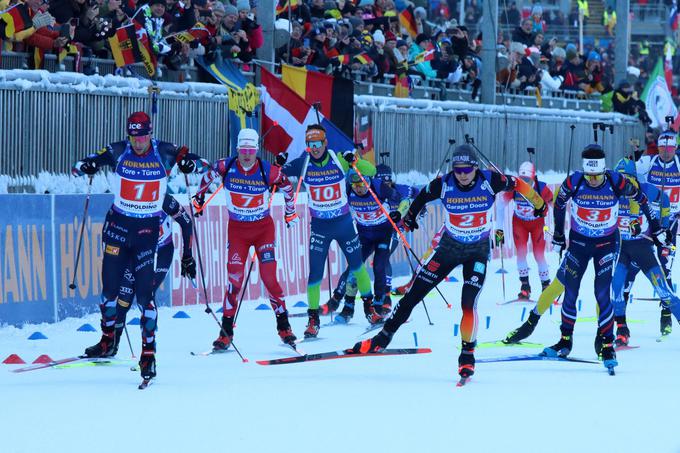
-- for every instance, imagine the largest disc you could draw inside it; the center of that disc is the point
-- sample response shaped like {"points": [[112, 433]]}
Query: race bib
{"points": [[469, 226], [144, 191]]}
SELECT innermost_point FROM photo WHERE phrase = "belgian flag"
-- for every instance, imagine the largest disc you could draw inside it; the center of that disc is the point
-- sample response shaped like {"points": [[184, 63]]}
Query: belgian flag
{"points": [[130, 44], [14, 20], [407, 19], [363, 58]]}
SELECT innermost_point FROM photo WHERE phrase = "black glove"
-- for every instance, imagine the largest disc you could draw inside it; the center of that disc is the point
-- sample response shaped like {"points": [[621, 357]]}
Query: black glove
{"points": [[349, 156], [188, 267], [186, 165], [634, 227], [499, 237], [559, 241], [89, 167], [281, 159], [199, 201], [662, 237], [395, 216], [542, 211], [410, 222]]}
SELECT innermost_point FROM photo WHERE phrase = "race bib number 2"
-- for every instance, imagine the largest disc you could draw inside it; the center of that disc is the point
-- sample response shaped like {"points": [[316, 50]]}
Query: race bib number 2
{"points": [[139, 190], [469, 220]]}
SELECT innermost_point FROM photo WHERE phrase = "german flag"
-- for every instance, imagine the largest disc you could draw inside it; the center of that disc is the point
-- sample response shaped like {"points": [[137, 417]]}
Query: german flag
{"points": [[38, 61], [363, 58], [196, 33], [130, 45], [343, 59], [283, 5], [14, 20], [407, 19]]}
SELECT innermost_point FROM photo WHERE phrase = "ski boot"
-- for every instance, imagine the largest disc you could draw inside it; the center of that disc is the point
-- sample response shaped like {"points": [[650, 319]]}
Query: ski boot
{"points": [[147, 361], [372, 315], [226, 335], [375, 344], [313, 325], [466, 360], [609, 357], [284, 329], [347, 312], [403, 289], [118, 333], [106, 346], [544, 284], [524, 330], [560, 349], [622, 333], [330, 306], [666, 322], [525, 290], [386, 305]]}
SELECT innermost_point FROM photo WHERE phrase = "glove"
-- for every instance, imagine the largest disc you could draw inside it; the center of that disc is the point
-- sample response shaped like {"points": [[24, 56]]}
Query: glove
{"points": [[559, 241], [89, 167], [410, 222], [186, 165], [499, 237], [542, 211], [634, 227], [292, 219], [395, 216], [349, 156], [199, 201], [281, 159], [41, 20], [662, 237], [188, 267]]}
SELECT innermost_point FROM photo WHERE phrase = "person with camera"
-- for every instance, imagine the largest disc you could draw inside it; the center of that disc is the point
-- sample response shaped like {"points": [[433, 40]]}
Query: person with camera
{"points": [[230, 39], [141, 165]]}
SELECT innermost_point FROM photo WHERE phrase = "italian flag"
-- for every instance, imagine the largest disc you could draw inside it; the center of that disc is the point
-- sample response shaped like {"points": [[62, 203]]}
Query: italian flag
{"points": [[657, 98]]}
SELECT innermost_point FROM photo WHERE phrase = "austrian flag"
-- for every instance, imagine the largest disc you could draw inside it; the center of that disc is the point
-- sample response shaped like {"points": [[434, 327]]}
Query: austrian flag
{"points": [[293, 114]]}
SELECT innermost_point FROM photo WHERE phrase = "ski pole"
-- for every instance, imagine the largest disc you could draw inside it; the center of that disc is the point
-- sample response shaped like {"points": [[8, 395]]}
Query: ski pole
{"points": [[571, 142], [82, 231], [200, 208], [399, 233], [446, 158], [414, 273], [129, 342], [502, 271]]}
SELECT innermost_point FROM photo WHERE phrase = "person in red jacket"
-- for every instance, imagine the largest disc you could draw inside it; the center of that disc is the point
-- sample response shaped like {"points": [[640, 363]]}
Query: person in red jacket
{"points": [[526, 225]]}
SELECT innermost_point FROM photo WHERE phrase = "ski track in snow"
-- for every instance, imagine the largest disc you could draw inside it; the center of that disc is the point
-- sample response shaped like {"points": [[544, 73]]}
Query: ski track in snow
{"points": [[394, 404]]}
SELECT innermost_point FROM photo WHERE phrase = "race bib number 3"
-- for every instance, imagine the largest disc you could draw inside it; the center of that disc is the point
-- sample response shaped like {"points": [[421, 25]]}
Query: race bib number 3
{"points": [[147, 191], [594, 215], [323, 194]]}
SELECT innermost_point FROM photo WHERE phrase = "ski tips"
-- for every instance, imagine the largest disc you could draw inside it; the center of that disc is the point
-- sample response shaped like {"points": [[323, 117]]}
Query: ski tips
{"points": [[245, 360]]}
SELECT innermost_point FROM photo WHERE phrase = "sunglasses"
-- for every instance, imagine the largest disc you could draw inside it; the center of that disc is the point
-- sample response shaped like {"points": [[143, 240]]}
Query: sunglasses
{"points": [[594, 178], [247, 150], [315, 144], [463, 170]]}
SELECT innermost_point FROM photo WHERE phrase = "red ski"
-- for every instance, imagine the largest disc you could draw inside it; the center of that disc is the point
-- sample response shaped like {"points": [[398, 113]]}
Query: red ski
{"points": [[347, 353]]}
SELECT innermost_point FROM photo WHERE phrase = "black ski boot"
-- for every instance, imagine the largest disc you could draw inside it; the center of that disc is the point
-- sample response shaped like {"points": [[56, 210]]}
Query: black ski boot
{"points": [[372, 315], [525, 290], [560, 349], [524, 331], [466, 361], [375, 344], [332, 304], [386, 305], [226, 335], [147, 366], [666, 322], [609, 357], [545, 284], [106, 346], [622, 331], [284, 329], [345, 316]]}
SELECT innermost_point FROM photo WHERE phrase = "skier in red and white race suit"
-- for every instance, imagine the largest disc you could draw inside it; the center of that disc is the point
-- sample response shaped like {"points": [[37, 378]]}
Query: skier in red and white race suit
{"points": [[525, 226], [248, 182]]}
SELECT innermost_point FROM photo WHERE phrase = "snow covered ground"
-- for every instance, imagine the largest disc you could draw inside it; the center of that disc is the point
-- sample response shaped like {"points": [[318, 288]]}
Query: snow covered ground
{"points": [[375, 404]]}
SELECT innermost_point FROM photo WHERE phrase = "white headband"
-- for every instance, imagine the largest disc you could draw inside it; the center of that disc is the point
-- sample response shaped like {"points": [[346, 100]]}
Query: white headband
{"points": [[594, 166]]}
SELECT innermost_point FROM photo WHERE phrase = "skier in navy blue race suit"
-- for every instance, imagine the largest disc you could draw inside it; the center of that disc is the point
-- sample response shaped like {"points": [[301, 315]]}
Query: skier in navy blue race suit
{"points": [[172, 210], [594, 194], [141, 165], [663, 172], [638, 252], [467, 194], [375, 235]]}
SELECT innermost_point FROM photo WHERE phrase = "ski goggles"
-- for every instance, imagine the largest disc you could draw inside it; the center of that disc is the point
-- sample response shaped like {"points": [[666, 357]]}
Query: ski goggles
{"points": [[594, 179], [466, 170], [250, 151], [315, 144]]}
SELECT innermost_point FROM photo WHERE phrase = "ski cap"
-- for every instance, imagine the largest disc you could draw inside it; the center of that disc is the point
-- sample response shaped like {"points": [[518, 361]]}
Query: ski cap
{"points": [[383, 172], [527, 170], [593, 160], [464, 154], [247, 138], [627, 167], [667, 138], [138, 124], [315, 133], [354, 177]]}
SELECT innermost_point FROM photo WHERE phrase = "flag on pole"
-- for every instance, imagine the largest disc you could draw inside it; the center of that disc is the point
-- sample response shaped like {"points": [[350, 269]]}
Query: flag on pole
{"points": [[657, 97], [130, 44]]}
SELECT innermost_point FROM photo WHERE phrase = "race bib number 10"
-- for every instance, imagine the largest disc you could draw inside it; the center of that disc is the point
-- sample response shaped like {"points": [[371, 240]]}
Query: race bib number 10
{"points": [[327, 193]]}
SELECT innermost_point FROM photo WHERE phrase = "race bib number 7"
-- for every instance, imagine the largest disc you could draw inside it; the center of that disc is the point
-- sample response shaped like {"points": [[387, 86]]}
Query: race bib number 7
{"points": [[139, 190], [240, 200]]}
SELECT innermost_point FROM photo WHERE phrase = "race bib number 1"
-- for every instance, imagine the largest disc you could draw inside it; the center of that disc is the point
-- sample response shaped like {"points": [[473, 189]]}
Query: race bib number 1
{"points": [[139, 190]]}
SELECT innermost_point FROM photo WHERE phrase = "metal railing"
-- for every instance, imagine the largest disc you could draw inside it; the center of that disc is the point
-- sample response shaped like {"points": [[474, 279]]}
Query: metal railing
{"points": [[416, 132]]}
